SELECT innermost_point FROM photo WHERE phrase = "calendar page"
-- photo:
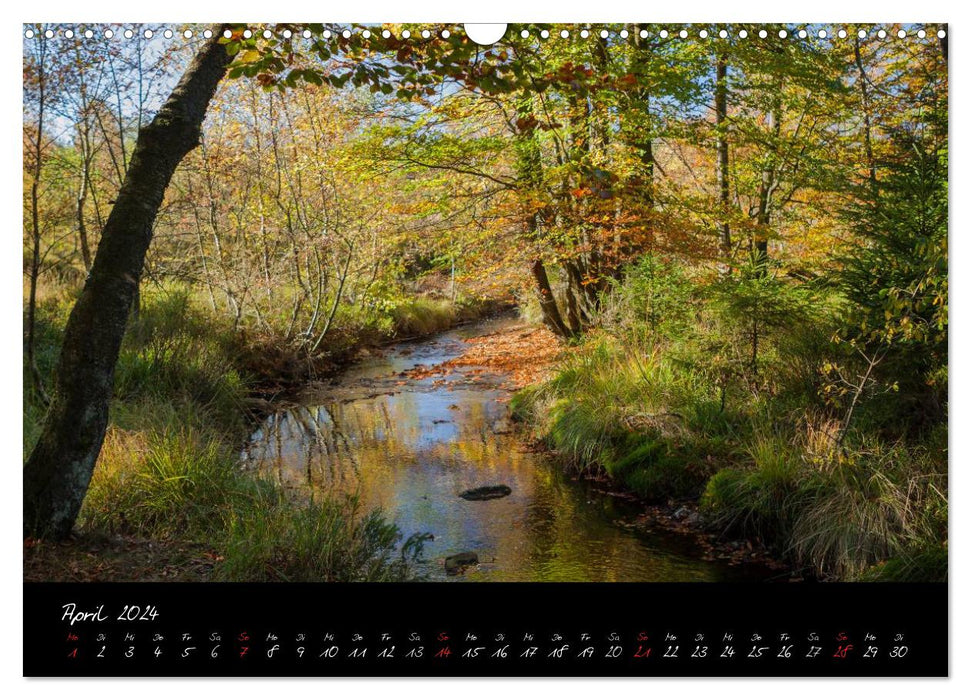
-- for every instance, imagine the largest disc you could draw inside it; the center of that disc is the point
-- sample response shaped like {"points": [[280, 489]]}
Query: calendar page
{"points": [[416, 349]]}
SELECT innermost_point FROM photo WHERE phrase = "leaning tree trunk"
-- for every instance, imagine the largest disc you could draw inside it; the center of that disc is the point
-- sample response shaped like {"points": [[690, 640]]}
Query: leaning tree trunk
{"points": [[547, 302], [58, 471]]}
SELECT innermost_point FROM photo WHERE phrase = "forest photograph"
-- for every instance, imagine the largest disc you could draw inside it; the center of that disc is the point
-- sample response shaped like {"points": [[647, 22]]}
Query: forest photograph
{"points": [[593, 303]]}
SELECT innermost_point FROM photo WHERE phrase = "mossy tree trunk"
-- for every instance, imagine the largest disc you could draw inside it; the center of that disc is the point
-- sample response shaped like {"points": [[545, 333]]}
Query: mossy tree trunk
{"points": [[58, 471]]}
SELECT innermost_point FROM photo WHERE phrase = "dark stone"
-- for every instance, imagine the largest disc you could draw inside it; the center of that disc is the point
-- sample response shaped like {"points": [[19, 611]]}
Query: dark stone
{"points": [[485, 493], [457, 563]]}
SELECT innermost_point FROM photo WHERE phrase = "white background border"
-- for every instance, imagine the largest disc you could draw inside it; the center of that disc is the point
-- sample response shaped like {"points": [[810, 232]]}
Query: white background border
{"points": [[15, 13]]}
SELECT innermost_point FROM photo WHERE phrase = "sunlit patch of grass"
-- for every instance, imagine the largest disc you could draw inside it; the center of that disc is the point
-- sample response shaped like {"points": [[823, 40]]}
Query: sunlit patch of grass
{"points": [[422, 316], [175, 483]]}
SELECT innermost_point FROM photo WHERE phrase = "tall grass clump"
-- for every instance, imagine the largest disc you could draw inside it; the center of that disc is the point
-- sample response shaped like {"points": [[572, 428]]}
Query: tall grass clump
{"points": [[176, 483], [174, 353], [330, 540], [869, 511], [627, 414], [760, 499], [880, 512]]}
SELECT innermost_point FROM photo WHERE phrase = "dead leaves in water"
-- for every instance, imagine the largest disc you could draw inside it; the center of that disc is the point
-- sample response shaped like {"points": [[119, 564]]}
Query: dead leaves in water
{"points": [[521, 354]]}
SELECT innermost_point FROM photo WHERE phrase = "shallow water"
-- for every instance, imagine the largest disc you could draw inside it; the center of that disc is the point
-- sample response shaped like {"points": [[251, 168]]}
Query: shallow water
{"points": [[410, 446]]}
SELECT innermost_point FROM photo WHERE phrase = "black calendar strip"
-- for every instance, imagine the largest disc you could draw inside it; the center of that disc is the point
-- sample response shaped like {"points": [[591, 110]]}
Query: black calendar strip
{"points": [[462, 629]]}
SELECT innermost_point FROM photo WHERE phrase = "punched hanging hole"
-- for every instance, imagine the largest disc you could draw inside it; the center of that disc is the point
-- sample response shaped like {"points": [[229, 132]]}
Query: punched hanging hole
{"points": [[168, 34], [29, 34], [604, 33], [486, 34], [207, 34], [386, 34], [624, 34], [544, 34], [446, 34]]}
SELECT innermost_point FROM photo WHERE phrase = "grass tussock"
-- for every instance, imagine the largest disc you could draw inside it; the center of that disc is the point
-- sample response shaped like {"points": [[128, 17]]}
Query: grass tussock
{"points": [[325, 541]]}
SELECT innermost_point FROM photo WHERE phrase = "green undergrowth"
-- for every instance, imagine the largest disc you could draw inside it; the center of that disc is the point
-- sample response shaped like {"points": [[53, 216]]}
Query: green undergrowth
{"points": [[668, 398]]}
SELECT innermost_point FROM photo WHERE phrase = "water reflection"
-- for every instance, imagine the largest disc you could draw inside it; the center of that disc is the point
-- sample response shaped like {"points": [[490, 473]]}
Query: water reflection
{"points": [[411, 446]]}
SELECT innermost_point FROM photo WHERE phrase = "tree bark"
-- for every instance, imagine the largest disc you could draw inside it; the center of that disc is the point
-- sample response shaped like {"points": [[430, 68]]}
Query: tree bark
{"points": [[643, 143], [58, 471], [38, 145], [766, 190], [547, 302], [865, 103], [721, 126]]}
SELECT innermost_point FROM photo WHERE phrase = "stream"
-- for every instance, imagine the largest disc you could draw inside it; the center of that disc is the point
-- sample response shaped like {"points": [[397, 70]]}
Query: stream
{"points": [[410, 445]]}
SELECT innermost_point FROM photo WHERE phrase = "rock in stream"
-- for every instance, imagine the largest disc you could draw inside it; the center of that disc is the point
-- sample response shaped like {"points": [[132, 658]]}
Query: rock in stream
{"points": [[485, 493], [457, 563]]}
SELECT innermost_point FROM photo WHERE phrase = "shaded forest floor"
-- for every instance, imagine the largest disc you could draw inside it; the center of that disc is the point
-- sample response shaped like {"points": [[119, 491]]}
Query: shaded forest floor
{"points": [[93, 556]]}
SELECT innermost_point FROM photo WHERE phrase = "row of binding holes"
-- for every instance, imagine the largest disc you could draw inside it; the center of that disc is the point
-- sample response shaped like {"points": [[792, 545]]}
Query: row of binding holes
{"points": [[723, 34], [525, 34]]}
